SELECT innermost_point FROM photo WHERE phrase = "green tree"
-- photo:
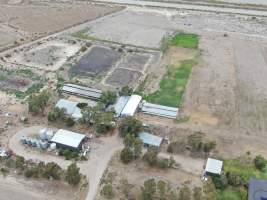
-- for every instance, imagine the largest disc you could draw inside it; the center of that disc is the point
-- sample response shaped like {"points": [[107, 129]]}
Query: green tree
{"points": [[69, 121], [73, 176], [134, 144], [107, 191], [55, 114], [38, 102], [130, 125], [126, 91], [52, 170], [151, 156], [260, 162], [126, 155], [149, 189], [20, 162], [220, 182], [234, 179], [108, 98]]}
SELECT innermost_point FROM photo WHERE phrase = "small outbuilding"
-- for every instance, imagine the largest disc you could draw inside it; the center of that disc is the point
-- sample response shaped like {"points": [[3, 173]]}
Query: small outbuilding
{"points": [[120, 104], [68, 139], [257, 189], [150, 140], [131, 106], [213, 166], [70, 107]]}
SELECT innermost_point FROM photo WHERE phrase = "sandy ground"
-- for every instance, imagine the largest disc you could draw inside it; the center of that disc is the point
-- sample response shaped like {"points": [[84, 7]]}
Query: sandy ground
{"points": [[33, 189], [30, 21], [48, 56]]}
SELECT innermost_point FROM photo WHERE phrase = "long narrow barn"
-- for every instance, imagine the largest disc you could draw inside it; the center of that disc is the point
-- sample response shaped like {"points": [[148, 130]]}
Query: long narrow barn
{"points": [[81, 91]]}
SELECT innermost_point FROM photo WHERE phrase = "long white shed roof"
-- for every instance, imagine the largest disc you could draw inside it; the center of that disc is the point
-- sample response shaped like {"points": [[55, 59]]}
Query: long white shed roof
{"points": [[131, 106], [214, 166], [68, 138], [81, 91], [159, 110]]}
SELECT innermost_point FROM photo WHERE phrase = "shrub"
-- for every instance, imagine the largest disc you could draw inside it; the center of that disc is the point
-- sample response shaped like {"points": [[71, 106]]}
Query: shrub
{"points": [[130, 125], [52, 170], [220, 182], [126, 155], [260, 162], [69, 121], [234, 179], [151, 156], [107, 191], [73, 176]]}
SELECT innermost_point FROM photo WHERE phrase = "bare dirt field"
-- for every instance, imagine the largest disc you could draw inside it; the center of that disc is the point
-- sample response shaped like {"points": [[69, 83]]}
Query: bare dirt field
{"points": [[50, 55], [134, 61], [34, 189], [122, 77], [39, 19], [96, 61]]}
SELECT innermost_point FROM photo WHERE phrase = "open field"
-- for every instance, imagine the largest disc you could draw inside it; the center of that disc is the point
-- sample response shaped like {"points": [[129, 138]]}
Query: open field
{"points": [[96, 61], [25, 21], [34, 189], [50, 55]]}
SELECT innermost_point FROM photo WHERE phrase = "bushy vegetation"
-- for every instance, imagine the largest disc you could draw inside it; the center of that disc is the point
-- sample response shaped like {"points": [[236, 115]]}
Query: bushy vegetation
{"points": [[108, 98], [151, 157], [107, 191], [126, 91], [73, 176], [172, 85], [98, 118], [196, 143], [232, 184], [130, 125], [38, 102], [132, 148]]}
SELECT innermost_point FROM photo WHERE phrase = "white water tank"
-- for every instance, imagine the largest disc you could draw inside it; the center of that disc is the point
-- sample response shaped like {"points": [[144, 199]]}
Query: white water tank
{"points": [[42, 133], [49, 134], [53, 146]]}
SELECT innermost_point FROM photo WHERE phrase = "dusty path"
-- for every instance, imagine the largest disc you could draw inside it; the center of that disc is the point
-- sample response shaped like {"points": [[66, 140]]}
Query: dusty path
{"points": [[93, 168], [186, 7]]}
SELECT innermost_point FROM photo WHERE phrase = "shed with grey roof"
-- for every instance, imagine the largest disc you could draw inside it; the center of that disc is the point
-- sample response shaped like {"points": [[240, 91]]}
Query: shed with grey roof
{"points": [[150, 140], [81, 91], [159, 110], [68, 139], [70, 107], [257, 189]]}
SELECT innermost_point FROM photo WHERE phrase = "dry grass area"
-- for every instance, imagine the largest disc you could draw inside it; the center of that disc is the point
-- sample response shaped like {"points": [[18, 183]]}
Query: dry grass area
{"points": [[31, 20], [136, 173]]}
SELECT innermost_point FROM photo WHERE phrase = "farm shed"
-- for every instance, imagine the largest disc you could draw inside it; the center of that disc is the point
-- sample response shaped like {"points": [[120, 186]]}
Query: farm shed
{"points": [[159, 110], [213, 166], [81, 91], [150, 140], [70, 107], [120, 104], [68, 139], [257, 189], [131, 106]]}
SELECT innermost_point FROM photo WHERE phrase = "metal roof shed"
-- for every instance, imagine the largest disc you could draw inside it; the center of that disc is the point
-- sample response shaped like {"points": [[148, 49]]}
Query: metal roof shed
{"points": [[81, 91], [214, 166], [131, 106], [64, 138], [159, 110], [70, 107], [120, 104], [257, 189], [150, 140]]}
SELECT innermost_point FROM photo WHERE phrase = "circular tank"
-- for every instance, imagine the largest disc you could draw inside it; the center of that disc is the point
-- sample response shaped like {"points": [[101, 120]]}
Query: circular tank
{"points": [[53, 146], [49, 134], [42, 133]]}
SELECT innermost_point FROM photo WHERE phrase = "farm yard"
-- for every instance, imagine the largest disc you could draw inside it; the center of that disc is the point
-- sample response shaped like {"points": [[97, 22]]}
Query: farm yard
{"points": [[210, 68]]}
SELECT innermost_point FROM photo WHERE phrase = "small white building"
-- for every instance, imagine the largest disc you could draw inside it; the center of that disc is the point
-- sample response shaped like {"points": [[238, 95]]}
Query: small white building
{"points": [[213, 166], [131, 106]]}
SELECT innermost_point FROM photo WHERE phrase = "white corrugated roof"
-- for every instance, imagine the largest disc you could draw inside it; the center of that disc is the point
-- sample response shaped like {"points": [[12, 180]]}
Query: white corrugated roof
{"points": [[131, 106], [150, 139], [68, 138], [120, 104], [159, 110], [70, 107], [81, 91], [214, 166]]}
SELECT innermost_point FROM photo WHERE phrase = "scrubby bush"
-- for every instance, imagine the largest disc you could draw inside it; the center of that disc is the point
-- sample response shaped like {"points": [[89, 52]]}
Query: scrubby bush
{"points": [[130, 125], [151, 156], [107, 191], [234, 179], [73, 176], [260, 162], [126, 155], [220, 182]]}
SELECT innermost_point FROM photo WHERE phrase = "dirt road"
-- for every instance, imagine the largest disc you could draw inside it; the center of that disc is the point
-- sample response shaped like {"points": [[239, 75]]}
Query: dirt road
{"points": [[93, 168], [186, 7]]}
